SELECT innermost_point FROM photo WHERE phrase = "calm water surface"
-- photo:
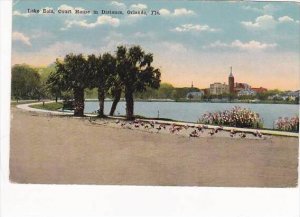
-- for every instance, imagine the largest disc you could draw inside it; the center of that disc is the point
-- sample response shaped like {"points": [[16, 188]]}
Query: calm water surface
{"points": [[191, 112]]}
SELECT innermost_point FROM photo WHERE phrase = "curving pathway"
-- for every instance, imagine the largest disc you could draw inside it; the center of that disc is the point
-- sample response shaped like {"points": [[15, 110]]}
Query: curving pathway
{"points": [[28, 108]]}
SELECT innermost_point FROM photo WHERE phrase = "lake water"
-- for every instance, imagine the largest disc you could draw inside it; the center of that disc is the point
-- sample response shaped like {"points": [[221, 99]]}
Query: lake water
{"points": [[191, 112]]}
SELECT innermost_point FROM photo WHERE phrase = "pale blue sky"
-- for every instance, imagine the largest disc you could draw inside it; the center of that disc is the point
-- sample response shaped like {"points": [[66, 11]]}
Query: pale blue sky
{"points": [[191, 40]]}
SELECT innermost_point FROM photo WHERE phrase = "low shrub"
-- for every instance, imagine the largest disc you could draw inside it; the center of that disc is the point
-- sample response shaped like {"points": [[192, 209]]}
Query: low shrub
{"points": [[288, 124], [235, 117]]}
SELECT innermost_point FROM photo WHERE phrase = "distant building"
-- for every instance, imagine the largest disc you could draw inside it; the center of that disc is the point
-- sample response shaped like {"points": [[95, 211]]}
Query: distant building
{"points": [[259, 89], [205, 91], [195, 95], [241, 89], [288, 96], [293, 93], [241, 86], [246, 92], [218, 89], [231, 82]]}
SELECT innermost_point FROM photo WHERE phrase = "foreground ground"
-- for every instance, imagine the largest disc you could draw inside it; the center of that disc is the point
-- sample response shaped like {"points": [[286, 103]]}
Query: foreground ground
{"points": [[65, 150]]}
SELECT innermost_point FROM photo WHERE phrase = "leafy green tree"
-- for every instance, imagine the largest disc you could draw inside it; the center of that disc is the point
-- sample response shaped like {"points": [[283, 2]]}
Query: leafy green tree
{"points": [[55, 85], [46, 90], [181, 92], [91, 93], [165, 91], [25, 82], [150, 93]]}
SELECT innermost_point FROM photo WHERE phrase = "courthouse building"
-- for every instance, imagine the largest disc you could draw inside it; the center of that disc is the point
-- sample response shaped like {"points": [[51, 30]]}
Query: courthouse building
{"points": [[218, 88]]}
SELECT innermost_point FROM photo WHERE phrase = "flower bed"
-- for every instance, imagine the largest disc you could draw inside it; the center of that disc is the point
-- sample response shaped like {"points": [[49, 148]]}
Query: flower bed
{"points": [[288, 124], [235, 117]]}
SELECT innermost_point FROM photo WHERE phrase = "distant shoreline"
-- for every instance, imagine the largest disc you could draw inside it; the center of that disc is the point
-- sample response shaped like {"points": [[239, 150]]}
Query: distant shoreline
{"points": [[170, 100], [199, 101]]}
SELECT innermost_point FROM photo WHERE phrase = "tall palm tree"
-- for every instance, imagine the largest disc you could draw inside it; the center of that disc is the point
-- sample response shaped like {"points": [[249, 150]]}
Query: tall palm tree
{"points": [[117, 81], [116, 91], [106, 68], [136, 73], [72, 74]]}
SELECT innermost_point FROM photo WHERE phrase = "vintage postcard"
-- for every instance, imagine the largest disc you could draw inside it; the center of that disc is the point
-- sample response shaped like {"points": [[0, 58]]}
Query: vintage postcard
{"points": [[155, 93]]}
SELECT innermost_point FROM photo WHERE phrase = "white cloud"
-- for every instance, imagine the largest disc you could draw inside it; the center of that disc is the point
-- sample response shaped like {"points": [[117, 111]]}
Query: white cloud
{"points": [[63, 48], [287, 19], [18, 13], [248, 46], [266, 9], [182, 12], [177, 12], [261, 22], [195, 28], [101, 20], [139, 6], [252, 45], [217, 44], [267, 22], [118, 4], [164, 12], [19, 36]]}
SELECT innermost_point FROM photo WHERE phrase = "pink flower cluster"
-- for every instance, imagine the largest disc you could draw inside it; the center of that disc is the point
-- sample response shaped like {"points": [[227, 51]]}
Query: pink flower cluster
{"points": [[236, 117], [288, 124]]}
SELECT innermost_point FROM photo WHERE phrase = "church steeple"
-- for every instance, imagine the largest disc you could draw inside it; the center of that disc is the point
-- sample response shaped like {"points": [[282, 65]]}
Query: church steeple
{"points": [[230, 75], [231, 81]]}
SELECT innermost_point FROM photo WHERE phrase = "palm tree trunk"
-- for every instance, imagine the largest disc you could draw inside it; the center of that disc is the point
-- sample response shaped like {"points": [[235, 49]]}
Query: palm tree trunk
{"points": [[117, 97], [101, 97], [129, 104], [78, 101]]}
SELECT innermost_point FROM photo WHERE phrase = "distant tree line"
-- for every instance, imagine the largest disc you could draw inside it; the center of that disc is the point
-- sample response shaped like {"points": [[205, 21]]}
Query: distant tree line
{"points": [[165, 91]]}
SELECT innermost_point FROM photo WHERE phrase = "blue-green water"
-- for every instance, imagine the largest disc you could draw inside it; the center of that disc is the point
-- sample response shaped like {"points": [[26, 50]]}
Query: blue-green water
{"points": [[191, 112]]}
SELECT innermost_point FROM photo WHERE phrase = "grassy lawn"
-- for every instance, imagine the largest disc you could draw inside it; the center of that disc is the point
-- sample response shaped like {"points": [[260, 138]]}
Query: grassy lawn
{"points": [[53, 106], [14, 103]]}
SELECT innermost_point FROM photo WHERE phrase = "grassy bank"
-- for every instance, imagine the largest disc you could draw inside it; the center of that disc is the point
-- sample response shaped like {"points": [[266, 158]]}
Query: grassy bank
{"points": [[14, 103], [53, 106]]}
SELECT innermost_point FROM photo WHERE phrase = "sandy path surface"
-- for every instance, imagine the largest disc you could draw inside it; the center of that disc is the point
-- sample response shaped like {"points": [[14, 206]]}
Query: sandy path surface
{"points": [[65, 150]]}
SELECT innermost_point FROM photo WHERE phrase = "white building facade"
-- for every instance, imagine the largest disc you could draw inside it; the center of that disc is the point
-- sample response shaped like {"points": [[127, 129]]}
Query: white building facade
{"points": [[218, 89]]}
